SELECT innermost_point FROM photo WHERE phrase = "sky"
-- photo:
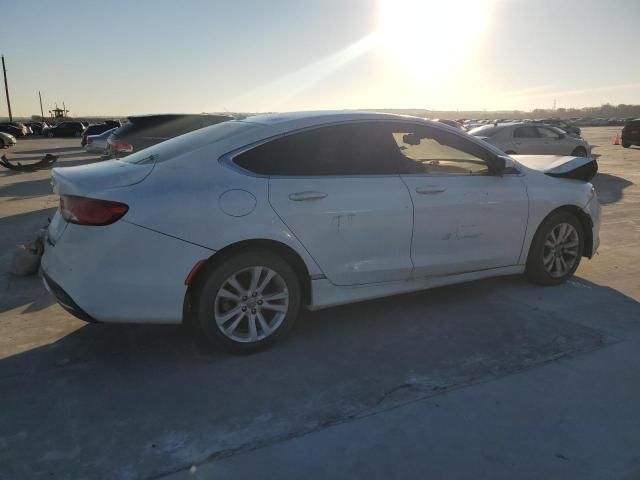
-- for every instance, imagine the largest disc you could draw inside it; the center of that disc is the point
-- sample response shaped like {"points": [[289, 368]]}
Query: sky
{"points": [[122, 57]]}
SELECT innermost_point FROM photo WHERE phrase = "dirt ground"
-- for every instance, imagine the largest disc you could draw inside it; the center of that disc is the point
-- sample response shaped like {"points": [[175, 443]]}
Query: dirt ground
{"points": [[490, 379]]}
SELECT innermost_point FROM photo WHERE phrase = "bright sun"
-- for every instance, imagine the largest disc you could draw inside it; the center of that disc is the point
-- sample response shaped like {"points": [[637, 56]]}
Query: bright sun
{"points": [[431, 37]]}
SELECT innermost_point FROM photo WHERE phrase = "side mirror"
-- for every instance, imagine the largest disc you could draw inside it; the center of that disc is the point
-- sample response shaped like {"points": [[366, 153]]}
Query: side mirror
{"points": [[502, 163]]}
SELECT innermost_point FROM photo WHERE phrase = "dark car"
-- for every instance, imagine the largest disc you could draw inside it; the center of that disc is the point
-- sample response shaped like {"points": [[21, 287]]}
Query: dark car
{"points": [[37, 127], [98, 128], [631, 133], [566, 126], [146, 130], [66, 129], [12, 130]]}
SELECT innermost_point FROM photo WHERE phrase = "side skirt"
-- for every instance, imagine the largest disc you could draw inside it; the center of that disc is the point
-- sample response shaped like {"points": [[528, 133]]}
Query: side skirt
{"points": [[324, 294]]}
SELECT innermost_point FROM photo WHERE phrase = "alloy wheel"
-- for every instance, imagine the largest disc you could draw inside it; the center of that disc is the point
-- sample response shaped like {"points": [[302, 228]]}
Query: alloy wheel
{"points": [[251, 304], [560, 251]]}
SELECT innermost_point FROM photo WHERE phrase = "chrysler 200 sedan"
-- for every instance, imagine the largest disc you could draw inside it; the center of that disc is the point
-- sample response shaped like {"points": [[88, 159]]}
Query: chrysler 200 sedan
{"points": [[233, 228]]}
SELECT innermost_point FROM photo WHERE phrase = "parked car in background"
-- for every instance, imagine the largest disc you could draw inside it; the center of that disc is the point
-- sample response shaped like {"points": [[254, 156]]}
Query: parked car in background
{"points": [[7, 140], [631, 133], [531, 139], [12, 129], [451, 123], [66, 129], [97, 129], [144, 131], [563, 125], [232, 228], [38, 127], [98, 143]]}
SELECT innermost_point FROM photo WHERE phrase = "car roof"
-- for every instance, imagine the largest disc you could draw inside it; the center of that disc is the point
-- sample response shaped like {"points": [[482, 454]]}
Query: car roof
{"points": [[296, 120]]}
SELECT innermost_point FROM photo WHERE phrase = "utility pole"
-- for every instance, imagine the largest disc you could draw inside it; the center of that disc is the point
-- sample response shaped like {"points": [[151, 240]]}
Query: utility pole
{"points": [[41, 111], [6, 89]]}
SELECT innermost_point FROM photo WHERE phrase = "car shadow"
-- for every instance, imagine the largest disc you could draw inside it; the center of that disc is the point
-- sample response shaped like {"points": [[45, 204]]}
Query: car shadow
{"points": [[22, 227], [175, 403], [610, 188], [52, 150]]}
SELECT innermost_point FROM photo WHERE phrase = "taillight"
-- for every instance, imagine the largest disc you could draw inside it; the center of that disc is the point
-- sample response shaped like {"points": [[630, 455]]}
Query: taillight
{"points": [[91, 211], [120, 146]]}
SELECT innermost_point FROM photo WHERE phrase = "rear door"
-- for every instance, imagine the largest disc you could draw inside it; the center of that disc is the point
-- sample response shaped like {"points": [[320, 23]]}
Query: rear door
{"points": [[339, 194]]}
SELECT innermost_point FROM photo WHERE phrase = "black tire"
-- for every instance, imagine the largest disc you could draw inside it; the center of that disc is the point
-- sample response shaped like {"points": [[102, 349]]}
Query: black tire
{"points": [[579, 152], [211, 280], [535, 270], [626, 144]]}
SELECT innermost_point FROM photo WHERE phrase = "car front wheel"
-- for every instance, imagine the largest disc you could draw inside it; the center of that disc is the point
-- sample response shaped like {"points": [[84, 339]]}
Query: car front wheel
{"points": [[556, 249], [247, 302], [579, 152]]}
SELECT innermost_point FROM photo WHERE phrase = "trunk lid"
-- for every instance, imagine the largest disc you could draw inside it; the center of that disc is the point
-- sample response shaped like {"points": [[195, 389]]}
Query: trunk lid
{"points": [[85, 179], [577, 168]]}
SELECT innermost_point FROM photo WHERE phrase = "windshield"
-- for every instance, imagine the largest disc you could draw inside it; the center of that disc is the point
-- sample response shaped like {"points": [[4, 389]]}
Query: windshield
{"points": [[485, 131], [168, 149]]}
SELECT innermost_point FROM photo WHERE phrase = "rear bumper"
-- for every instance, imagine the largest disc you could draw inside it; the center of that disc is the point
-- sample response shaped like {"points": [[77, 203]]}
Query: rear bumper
{"points": [[119, 273], [63, 298]]}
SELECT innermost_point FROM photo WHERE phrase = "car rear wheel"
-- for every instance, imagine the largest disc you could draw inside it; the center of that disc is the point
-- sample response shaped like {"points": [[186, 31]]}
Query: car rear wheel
{"points": [[626, 144], [246, 303], [556, 249], [579, 152]]}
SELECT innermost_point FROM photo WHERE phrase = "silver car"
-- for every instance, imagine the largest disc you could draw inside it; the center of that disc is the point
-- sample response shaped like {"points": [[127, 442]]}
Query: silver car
{"points": [[7, 140], [531, 139], [98, 143]]}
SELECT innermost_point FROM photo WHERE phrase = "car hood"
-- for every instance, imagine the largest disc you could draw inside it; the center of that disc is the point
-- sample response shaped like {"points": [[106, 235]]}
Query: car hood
{"points": [[579, 168]]}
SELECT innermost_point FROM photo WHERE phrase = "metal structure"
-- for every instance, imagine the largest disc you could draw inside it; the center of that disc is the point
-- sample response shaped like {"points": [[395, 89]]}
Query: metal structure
{"points": [[6, 89]]}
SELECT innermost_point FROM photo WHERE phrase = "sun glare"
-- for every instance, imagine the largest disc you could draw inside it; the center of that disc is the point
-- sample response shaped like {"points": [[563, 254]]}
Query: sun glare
{"points": [[431, 37]]}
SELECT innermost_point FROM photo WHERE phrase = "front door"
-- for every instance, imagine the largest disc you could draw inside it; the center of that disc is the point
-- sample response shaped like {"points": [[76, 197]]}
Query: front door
{"points": [[465, 217]]}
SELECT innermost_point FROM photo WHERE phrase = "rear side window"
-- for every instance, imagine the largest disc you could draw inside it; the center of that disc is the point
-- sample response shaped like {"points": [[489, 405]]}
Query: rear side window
{"points": [[351, 149], [526, 132]]}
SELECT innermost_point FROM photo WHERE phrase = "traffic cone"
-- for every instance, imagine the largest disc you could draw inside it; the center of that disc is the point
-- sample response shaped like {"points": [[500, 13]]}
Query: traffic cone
{"points": [[616, 141]]}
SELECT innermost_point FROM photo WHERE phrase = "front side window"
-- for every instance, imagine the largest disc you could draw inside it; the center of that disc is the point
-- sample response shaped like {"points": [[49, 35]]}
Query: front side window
{"points": [[526, 132], [434, 152], [347, 149], [547, 133]]}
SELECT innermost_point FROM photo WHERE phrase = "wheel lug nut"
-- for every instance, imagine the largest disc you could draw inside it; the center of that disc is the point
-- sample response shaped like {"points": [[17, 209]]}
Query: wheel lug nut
{"points": [[253, 310], [244, 309], [244, 298], [259, 302], [254, 294]]}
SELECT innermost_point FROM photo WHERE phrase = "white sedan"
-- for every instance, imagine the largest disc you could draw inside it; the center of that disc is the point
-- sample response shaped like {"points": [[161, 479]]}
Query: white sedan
{"points": [[531, 139], [234, 227]]}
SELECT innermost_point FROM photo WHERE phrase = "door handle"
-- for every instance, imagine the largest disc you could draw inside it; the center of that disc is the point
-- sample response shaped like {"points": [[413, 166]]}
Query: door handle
{"points": [[304, 196], [428, 189]]}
